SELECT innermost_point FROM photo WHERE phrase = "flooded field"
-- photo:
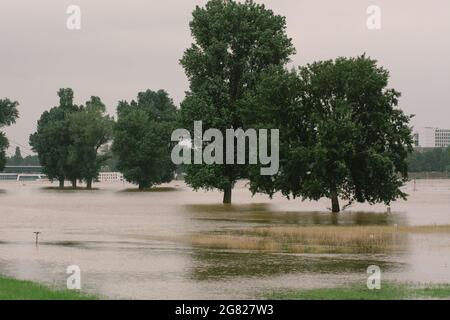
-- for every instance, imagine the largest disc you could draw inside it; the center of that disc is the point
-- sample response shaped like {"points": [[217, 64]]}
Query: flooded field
{"points": [[146, 245]]}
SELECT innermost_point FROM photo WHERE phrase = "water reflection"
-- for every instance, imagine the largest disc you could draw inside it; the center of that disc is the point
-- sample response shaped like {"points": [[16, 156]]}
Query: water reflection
{"points": [[267, 214], [156, 189], [216, 265]]}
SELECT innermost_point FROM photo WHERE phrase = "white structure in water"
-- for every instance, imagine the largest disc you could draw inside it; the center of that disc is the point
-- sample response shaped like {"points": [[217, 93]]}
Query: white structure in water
{"points": [[23, 176], [429, 137], [110, 177]]}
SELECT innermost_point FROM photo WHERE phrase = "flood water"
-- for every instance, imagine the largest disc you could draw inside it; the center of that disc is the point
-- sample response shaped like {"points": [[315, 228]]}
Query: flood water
{"points": [[119, 239]]}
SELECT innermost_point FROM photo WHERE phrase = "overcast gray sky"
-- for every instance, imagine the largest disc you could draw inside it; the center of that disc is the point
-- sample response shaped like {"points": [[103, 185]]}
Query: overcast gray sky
{"points": [[128, 46]]}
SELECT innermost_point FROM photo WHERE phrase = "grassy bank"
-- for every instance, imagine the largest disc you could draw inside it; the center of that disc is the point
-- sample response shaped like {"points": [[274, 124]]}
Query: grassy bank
{"points": [[12, 289], [388, 291], [315, 239]]}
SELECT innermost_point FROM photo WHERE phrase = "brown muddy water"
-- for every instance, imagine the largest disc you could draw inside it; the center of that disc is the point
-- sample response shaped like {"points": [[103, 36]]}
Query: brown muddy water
{"points": [[121, 241]]}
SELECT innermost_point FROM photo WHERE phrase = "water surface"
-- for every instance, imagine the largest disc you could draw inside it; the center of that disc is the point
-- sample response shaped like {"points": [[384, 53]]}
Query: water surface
{"points": [[121, 240]]}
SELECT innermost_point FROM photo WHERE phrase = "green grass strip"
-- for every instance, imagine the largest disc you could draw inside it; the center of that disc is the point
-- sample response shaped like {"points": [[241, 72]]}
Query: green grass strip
{"points": [[12, 289]]}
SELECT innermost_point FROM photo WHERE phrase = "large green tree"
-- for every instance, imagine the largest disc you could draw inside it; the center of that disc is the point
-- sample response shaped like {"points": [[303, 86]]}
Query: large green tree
{"points": [[342, 135], [142, 138], [89, 129], [8, 116], [52, 140], [234, 43]]}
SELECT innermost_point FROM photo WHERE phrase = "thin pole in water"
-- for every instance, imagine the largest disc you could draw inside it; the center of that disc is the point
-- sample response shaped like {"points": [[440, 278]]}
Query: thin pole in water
{"points": [[37, 233]]}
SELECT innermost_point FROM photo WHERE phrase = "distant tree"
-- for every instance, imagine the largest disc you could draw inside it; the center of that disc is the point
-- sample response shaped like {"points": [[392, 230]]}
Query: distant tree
{"points": [[89, 129], [52, 141], [234, 43], [447, 161], [142, 138], [8, 116], [429, 160], [17, 159], [110, 164], [31, 160], [344, 136]]}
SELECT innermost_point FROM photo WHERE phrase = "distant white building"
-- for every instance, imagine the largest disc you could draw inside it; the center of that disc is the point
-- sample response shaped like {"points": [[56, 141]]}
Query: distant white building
{"points": [[429, 137], [442, 138], [110, 177]]}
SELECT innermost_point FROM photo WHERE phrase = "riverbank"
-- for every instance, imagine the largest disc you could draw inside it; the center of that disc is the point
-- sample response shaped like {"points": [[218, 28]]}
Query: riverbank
{"points": [[388, 291], [12, 289]]}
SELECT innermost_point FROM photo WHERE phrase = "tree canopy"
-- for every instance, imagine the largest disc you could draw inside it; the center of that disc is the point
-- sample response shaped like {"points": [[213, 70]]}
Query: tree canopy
{"points": [[142, 141], [51, 141], [344, 136], [89, 129], [234, 43], [8, 116], [68, 139]]}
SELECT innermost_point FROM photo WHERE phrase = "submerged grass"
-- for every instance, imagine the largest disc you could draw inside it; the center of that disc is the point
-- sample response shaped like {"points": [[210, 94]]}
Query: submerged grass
{"points": [[12, 289], [153, 189], [69, 188], [388, 291], [315, 239]]}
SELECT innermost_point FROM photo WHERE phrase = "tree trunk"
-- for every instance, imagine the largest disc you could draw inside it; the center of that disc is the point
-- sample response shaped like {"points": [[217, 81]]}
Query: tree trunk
{"points": [[227, 195], [61, 183], [74, 184], [141, 187], [89, 184], [335, 208]]}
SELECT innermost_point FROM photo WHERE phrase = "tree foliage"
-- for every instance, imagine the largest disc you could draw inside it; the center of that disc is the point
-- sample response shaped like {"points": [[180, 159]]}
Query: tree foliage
{"points": [[343, 135], [68, 139], [18, 160], [142, 136], [52, 140], [430, 160], [89, 129], [8, 116], [234, 43]]}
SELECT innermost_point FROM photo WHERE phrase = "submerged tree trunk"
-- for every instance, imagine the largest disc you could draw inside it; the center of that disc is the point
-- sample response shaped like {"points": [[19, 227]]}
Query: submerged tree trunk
{"points": [[89, 184], [141, 187], [335, 208], [74, 183], [61, 183], [227, 195]]}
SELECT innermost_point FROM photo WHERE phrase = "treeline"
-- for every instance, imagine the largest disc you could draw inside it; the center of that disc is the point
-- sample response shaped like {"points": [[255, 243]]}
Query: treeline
{"points": [[69, 137], [73, 142], [430, 160], [18, 160], [341, 134]]}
